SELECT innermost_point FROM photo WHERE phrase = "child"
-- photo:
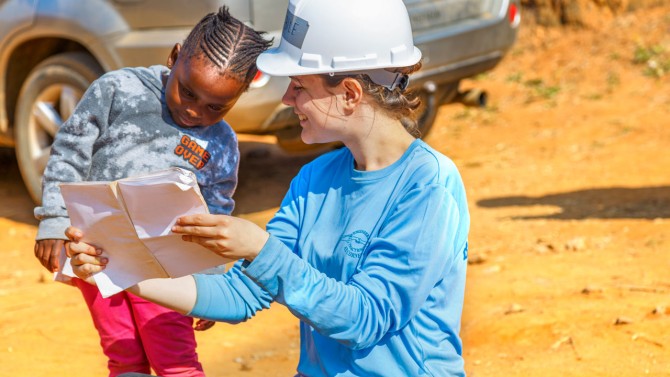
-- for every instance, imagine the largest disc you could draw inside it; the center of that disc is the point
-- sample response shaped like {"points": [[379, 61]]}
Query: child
{"points": [[139, 120], [369, 246]]}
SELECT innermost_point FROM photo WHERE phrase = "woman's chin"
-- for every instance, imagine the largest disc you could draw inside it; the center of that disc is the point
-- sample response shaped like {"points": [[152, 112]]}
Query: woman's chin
{"points": [[306, 138]]}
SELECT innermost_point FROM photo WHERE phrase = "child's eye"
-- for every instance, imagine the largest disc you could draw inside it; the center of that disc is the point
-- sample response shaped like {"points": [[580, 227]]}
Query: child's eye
{"points": [[215, 108], [187, 93]]}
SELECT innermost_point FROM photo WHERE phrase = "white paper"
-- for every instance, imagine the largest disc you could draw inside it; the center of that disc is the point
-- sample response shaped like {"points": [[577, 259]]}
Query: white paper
{"points": [[65, 273], [130, 220]]}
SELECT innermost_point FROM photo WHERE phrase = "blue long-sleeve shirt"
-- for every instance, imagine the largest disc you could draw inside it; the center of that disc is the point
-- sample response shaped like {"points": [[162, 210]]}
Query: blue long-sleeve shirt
{"points": [[372, 262]]}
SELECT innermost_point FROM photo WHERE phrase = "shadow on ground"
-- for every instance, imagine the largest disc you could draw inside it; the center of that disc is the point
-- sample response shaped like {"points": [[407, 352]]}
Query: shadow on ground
{"points": [[15, 202], [265, 175], [601, 203]]}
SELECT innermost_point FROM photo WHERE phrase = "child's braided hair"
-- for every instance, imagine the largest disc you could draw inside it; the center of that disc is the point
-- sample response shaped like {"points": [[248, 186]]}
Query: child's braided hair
{"points": [[228, 43]]}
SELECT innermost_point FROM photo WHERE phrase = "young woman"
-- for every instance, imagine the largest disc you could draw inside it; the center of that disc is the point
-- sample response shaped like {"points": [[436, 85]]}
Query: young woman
{"points": [[369, 246]]}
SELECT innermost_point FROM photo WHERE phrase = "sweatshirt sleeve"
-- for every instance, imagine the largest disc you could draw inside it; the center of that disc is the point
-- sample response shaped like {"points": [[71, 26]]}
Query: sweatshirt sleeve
{"points": [[70, 158], [219, 186], [416, 247]]}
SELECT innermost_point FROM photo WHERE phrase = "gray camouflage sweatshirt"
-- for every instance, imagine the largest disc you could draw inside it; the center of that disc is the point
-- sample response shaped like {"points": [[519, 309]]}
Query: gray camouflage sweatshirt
{"points": [[122, 128]]}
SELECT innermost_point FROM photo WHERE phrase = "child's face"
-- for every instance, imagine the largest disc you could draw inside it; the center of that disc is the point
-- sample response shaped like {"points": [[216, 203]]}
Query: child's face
{"points": [[197, 94]]}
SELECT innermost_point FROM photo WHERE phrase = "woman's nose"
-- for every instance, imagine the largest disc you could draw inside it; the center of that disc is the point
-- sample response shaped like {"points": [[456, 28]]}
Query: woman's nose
{"points": [[288, 97]]}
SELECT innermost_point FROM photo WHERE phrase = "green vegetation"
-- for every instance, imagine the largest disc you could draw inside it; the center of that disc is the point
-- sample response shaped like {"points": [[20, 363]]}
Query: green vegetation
{"points": [[542, 90], [516, 77], [656, 60]]}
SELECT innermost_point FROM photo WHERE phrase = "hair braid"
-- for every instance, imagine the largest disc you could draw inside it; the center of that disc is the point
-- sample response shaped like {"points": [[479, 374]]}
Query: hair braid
{"points": [[228, 43]]}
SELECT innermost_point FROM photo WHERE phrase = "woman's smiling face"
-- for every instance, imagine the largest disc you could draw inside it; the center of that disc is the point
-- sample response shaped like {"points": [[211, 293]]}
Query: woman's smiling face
{"points": [[317, 108]]}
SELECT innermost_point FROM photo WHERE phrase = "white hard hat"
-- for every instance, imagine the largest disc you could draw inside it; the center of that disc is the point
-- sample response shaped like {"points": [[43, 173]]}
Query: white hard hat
{"points": [[343, 36]]}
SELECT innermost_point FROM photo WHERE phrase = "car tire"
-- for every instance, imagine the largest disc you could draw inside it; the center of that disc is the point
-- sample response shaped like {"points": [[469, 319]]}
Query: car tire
{"points": [[47, 99], [430, 104], [427, 113]]}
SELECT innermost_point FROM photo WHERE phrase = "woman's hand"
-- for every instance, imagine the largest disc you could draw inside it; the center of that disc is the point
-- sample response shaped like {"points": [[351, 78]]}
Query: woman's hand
{"points": [[86, 260], [228, 236]]}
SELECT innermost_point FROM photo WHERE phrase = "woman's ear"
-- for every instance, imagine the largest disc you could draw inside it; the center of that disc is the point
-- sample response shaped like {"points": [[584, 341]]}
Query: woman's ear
{"points": [[174, 54], [352, 94]]}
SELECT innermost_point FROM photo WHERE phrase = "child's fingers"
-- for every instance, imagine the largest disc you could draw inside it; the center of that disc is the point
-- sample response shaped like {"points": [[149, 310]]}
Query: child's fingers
{"points": [[40, 251], [54, 255]]}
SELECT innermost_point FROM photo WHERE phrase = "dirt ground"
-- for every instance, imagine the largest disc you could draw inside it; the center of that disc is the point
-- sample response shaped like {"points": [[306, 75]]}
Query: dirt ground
{"points": [[567, 173]]}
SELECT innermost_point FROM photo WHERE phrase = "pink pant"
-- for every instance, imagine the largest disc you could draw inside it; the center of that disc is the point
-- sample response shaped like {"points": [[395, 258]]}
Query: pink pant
{"points": [[137, 335]]}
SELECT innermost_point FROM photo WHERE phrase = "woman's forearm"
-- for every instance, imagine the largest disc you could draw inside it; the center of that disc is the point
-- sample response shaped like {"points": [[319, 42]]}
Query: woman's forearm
{"points": [[177, 294]]}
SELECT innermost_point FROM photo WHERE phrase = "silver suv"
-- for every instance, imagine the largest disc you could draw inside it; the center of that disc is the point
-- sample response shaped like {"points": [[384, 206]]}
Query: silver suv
{"points": [[51, 50]]}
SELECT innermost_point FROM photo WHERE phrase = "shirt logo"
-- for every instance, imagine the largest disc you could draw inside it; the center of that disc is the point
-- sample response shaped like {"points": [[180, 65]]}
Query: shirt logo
{"points": [[192, 152], [355, 243]]}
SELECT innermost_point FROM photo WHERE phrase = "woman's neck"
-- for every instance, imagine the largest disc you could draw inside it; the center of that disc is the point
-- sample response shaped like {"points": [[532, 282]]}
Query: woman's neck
{"points": [[384, 144]]}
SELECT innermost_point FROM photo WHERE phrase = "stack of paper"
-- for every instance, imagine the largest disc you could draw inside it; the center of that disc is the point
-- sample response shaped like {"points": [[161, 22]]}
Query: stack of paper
{"points": [[130, 219]]}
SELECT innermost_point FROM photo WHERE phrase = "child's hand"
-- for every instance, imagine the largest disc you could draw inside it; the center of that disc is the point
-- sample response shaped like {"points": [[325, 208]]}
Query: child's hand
{"points": [[48, 252], [86, 259], [228, 236], [203, 324]]}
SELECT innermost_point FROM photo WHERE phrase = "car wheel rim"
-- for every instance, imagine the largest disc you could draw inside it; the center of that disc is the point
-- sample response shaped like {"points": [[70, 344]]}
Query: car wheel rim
{"points": [[52, 106]]}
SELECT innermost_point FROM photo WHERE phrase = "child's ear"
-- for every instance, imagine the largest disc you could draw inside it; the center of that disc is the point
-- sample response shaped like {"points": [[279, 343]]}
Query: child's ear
{"points": [[174, 54]]}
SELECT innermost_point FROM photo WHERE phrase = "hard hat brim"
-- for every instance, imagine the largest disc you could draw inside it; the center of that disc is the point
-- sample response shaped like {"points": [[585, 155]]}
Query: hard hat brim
{"points": [[277, 62]]}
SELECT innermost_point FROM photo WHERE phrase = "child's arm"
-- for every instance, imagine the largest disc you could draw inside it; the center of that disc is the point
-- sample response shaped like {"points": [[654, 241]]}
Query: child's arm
{"points": [[219, 196], [69, 162], [219, 182]]}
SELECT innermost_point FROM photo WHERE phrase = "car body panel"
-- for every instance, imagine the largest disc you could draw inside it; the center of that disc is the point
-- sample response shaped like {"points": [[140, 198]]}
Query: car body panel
{"points": [[475, 39], [162, 14]]}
